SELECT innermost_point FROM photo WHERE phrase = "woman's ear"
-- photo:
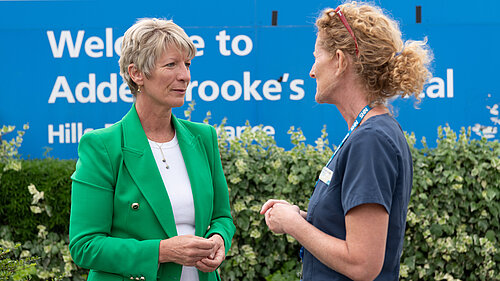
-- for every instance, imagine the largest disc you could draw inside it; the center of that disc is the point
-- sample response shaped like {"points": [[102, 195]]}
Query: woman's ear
{"points": [[341, 62], [135, 74]]}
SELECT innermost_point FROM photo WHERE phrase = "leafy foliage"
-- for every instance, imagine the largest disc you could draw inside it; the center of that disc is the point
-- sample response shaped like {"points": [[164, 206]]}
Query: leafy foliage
{"points": [[453, 223], [453, 228], [51, 253], [50, 176], [25, 209], [17, 269], [256, 170], [9, 159]]}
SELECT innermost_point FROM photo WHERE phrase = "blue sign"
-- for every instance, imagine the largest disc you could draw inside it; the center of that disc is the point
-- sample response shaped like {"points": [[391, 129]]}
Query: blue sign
{"points": [[60, 68]]}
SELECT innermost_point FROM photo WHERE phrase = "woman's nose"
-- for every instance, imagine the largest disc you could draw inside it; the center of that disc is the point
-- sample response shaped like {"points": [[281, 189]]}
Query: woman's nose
{"points": [[184, 74], [312, 72]]}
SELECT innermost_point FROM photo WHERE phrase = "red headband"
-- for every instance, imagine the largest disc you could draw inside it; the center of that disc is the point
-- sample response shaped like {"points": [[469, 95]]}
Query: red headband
{"points": [[344, 21]]}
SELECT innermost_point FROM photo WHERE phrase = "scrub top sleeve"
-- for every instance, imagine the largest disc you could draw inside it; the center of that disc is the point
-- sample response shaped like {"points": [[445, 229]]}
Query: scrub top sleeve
{"points": [[371, 170]]}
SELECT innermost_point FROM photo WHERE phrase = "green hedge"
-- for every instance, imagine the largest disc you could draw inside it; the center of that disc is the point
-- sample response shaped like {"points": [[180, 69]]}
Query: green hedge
{"points": [[257, 170], [48, 175], [452, 233], [453, 228]]}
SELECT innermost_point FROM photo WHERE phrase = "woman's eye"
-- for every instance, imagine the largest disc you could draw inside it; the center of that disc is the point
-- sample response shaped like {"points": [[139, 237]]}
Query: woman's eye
{"points": [[171, 64], [188, 64]]}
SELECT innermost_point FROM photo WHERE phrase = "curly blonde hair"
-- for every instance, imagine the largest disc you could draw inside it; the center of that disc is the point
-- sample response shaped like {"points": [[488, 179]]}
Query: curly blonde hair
{"points": [[144, 43], [386, 66]]}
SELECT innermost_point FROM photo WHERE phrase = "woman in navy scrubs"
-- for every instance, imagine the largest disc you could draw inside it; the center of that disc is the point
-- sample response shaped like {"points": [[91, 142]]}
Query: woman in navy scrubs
{"points": [[355, 224]]}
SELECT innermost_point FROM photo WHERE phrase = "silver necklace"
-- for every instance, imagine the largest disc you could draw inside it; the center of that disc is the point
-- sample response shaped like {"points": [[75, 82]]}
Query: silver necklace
{"points": [[162, 155]]}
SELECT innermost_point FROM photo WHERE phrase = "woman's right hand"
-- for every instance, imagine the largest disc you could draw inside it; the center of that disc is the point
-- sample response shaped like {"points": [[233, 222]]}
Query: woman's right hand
{"points": [[185, 249]]}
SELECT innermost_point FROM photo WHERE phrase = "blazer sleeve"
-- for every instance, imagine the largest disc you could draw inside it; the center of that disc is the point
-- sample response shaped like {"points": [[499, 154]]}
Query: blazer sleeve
{"points": [[91, 219], [222, 222]]}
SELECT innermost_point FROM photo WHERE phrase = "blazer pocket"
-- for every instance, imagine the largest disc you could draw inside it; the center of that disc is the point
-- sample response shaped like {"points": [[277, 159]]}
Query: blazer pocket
{"points": [[95, 275]]}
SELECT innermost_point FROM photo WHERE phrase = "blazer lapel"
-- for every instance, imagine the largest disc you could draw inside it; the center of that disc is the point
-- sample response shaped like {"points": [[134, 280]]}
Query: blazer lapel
{"points": [[196, 162], [141, 165]]}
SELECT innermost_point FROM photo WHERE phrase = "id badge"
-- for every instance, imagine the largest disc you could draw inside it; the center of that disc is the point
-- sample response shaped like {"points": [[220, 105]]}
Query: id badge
{"points": [[326, 175]]}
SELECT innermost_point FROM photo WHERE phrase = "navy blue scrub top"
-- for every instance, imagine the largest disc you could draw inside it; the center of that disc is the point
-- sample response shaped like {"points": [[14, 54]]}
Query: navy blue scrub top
{"points": [[373, 166]]}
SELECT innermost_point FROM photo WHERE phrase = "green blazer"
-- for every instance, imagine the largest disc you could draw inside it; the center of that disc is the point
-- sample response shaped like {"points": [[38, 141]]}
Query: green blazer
{"points": [[120, 209]]}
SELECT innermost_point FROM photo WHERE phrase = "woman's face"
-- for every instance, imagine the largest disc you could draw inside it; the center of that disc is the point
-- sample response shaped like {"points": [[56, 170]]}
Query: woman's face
{"points": [[169, 79], [323, 71]]}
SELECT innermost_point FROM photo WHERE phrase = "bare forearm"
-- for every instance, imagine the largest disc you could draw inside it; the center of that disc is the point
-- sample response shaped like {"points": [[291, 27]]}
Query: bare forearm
{"points": [[331, 251], [361, 255]]}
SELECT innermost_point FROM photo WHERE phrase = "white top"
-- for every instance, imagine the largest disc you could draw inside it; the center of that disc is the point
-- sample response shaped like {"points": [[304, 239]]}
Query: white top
{"points": [[178, 186]]}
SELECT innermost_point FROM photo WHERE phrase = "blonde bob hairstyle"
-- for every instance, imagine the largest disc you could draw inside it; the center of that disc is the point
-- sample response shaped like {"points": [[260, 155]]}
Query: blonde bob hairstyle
{"points": [[385, 65], [144, 43]]}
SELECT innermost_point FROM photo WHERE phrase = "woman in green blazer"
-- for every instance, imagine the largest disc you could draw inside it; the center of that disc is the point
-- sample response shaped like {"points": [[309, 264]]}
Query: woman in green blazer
{"points": [[149, 197]]}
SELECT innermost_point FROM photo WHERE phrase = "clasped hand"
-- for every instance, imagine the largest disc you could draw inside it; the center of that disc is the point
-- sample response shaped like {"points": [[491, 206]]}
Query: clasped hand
{"points": [[279, 215], [189, 250]]}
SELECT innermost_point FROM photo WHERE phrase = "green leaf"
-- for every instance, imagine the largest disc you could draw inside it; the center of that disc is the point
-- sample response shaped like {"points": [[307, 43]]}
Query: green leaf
{"points": [[491, 235]]}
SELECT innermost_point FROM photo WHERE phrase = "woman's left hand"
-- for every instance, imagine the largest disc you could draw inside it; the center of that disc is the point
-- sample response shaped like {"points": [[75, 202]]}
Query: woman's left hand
{"points": [[218, 255], [281, 215]]}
